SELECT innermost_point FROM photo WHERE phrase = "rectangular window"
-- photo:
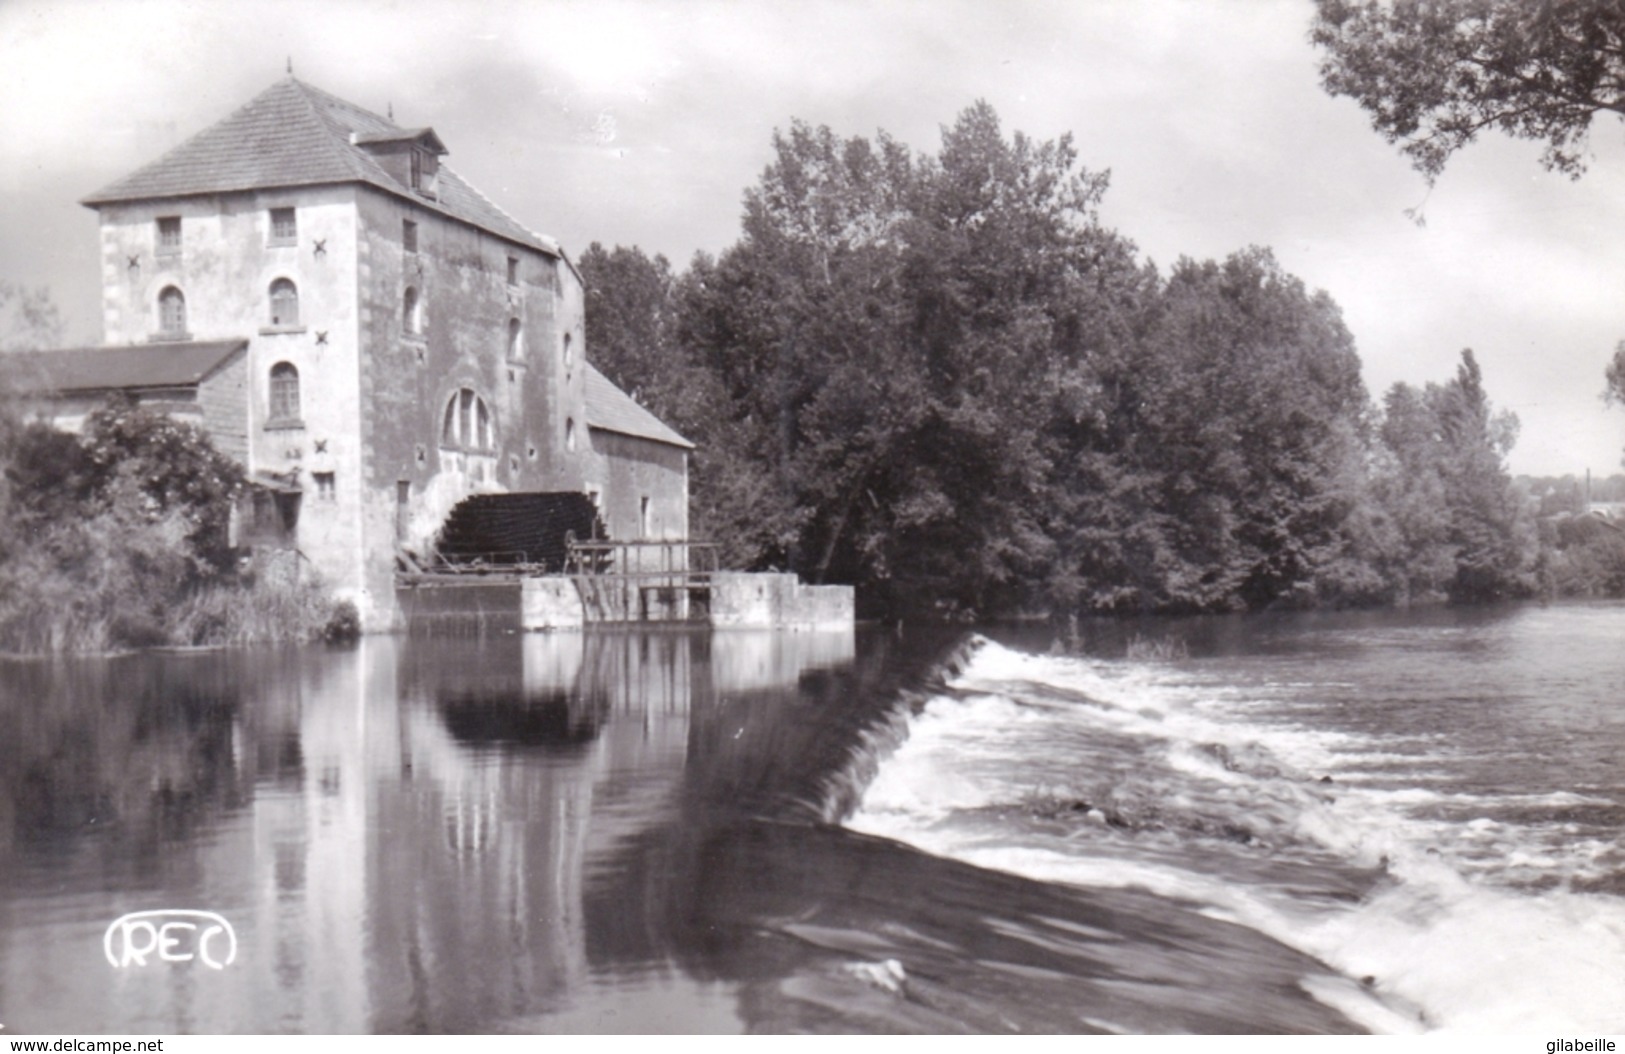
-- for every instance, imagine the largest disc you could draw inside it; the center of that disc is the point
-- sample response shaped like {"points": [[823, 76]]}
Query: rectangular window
{"points": [[409, 236], [284, 227], [643, 517], [513, 270], [325, 490], [169, 234]]}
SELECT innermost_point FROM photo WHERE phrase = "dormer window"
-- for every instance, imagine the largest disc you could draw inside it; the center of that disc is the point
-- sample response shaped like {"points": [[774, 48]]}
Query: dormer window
{"points": [[425, 172], [411, 156]]}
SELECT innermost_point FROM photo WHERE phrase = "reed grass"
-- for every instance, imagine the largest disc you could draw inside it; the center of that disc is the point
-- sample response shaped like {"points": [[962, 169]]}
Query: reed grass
{"points": [[260, 613]]}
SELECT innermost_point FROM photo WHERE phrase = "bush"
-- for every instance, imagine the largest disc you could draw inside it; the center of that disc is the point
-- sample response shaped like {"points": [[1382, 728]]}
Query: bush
{"points": [[1589, 560], [344, 625], [117, 539]]}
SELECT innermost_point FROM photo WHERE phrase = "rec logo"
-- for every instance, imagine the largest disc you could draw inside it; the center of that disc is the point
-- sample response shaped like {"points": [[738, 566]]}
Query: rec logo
{"points": [[171, 936]]}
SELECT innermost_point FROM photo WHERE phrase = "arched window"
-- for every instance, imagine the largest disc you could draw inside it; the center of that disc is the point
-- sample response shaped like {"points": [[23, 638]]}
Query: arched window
{"points": [[284, 392], [284, 303], [516, 339], [569, 433], [466, 424], [448, 425], [171, 312], [569, 356], [409, 311]]}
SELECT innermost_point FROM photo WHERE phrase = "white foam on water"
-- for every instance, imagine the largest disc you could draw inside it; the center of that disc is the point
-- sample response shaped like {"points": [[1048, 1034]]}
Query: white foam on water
{"points": [[1438, 933], [1484, 960]]}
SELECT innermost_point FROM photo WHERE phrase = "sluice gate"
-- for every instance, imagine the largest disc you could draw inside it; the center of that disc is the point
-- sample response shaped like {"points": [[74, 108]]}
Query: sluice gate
{"points": [[539, 562], [661, 582], [645, 581]]}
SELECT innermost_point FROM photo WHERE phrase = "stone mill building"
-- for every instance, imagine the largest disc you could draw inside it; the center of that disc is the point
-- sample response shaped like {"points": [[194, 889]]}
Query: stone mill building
{"points": [[374, 339]]}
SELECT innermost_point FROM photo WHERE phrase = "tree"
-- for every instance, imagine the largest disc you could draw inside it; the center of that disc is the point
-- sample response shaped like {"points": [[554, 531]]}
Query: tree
{"points": [[1463, 527], [1434, 73], [652, 334], [29, 319], [1242, 409], [105, 532], [628, 301], [148, 464]]}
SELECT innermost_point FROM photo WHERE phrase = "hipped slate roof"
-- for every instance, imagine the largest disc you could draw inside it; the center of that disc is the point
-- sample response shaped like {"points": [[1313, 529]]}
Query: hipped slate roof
{"points": [[177, 365], [293, 135], [613, 410]]}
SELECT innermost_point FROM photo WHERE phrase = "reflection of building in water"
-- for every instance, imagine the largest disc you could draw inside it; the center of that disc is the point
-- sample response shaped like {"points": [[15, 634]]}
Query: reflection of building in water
{"points": [[519, 762], [308, 854], [743, 659], [525, 765], [407, 836]]}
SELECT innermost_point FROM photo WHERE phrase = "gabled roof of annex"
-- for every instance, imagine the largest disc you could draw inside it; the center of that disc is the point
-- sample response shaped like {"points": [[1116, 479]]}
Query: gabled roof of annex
{"points": [[293, 134], [612, 410], [177, 364]]}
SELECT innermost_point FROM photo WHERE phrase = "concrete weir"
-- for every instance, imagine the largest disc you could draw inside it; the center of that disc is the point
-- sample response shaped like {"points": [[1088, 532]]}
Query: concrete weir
{"points": [[777, 601], [543, 602]]}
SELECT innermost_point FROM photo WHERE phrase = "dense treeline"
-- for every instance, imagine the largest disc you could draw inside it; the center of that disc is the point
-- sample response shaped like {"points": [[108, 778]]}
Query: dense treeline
{"points": [[1581, 555], [942, 378]]}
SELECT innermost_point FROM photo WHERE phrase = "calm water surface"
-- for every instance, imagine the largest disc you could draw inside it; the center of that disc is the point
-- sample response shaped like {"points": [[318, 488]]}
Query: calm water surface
{"points": [[1315, 823]]}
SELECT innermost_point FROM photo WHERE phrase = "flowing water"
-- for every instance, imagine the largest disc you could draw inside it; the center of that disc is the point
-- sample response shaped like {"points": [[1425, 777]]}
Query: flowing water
{"points": [[1390, 822]]}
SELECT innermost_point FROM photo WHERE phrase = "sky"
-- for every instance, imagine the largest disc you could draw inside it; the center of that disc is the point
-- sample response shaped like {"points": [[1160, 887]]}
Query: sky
{"points": [[642, 123]]}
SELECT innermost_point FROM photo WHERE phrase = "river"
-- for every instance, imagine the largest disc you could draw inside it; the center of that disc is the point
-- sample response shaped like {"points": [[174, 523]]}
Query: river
{"points": [[1393, 822]]}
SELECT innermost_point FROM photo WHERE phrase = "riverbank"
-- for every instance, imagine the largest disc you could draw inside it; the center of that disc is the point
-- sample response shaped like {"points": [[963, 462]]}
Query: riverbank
{"points": [[54, 618]]}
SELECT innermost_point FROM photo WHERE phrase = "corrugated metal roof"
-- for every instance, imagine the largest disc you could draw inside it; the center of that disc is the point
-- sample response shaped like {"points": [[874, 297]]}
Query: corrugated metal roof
{"points": [[613, 410], [179, 364], [293, 135]]}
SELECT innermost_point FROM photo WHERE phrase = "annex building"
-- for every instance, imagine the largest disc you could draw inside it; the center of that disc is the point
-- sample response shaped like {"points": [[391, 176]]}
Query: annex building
{"points": [[374, 339]]}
